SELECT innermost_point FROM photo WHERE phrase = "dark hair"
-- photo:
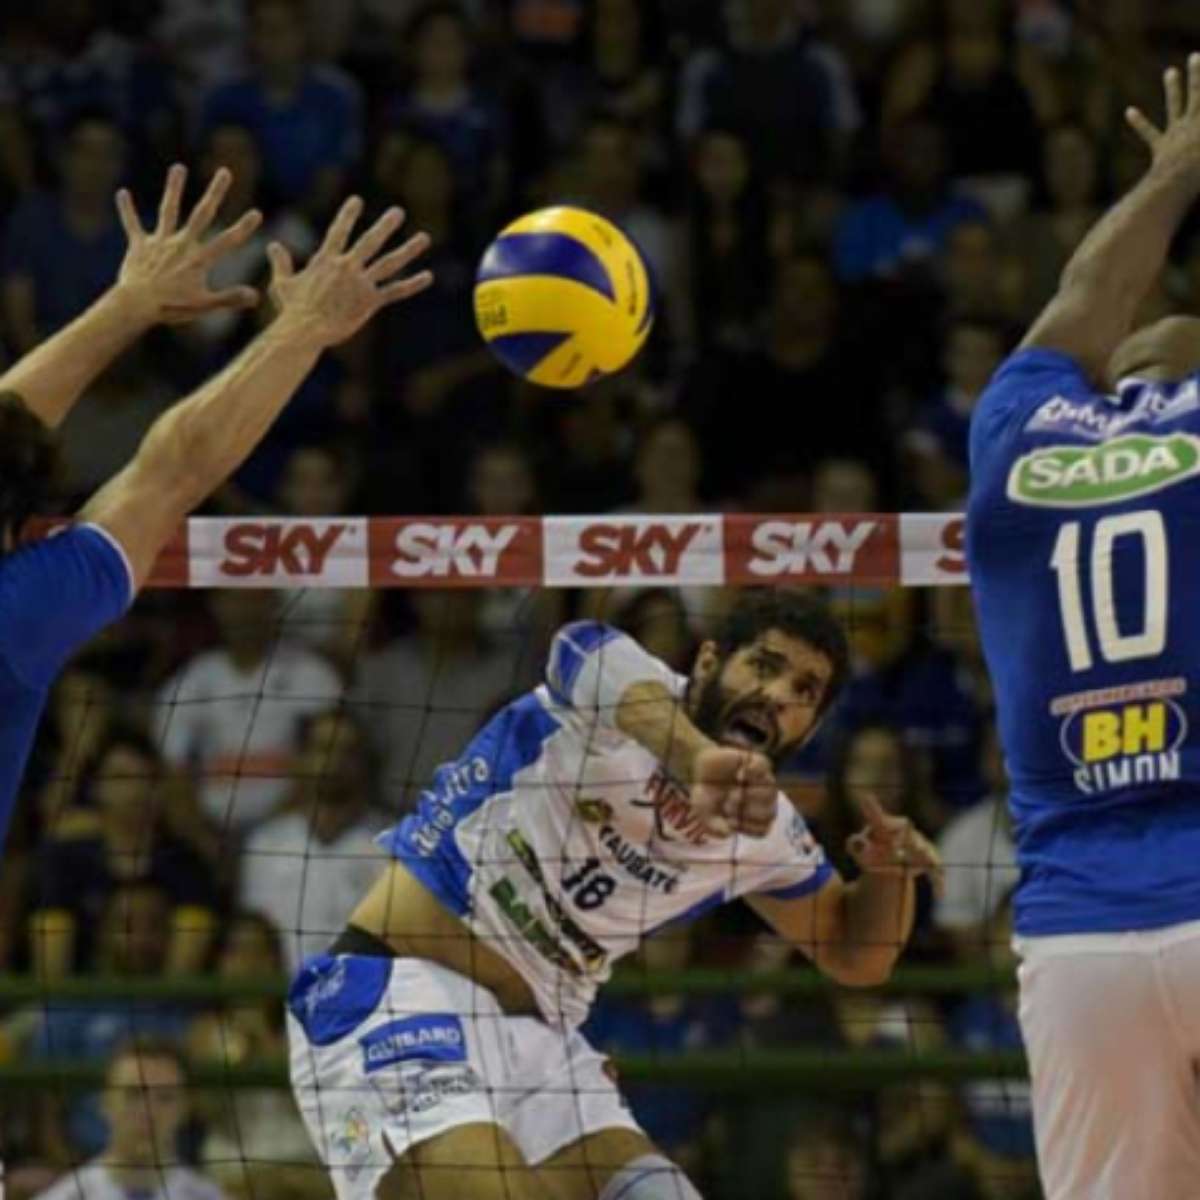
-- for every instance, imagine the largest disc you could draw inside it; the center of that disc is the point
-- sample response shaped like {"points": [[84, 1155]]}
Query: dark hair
{"points": [[26, 465], [795, 614], [130, 737], [433, 11], [265, 926], [148, 1045]]}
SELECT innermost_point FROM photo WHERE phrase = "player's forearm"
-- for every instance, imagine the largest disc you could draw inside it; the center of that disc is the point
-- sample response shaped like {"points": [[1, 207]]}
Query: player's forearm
{"points": [[654, 718], [200, 442], [52, 377], [876, 921], [1122, 257]]}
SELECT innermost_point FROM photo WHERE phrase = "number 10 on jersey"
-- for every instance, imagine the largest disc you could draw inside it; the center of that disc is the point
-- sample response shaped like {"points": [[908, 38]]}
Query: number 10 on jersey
{"points": [[1145, 637]]}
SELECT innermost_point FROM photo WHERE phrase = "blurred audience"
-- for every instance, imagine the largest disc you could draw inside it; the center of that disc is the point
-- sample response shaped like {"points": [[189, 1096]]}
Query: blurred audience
{"points": [[229, 716], [256, 1145], [62, 248], [146, 1104], [78, 869], [306, 118], [307, 868], [423, 696]]}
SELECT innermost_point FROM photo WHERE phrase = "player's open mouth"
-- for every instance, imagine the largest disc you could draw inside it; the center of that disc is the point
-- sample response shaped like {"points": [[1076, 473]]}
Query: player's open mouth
{"points": [[750, 729]]}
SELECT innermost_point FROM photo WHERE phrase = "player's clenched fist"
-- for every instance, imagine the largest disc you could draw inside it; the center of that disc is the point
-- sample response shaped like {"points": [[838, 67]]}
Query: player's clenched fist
{"points": [[734, 791]]}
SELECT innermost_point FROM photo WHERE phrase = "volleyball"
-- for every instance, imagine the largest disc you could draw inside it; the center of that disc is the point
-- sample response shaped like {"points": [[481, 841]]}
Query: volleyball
{"points": [[563, 297]]}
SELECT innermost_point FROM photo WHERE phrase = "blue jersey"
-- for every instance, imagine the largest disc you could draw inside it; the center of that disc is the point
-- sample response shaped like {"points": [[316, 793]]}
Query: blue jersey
{"points": [[54, 596], [1083, 537]]}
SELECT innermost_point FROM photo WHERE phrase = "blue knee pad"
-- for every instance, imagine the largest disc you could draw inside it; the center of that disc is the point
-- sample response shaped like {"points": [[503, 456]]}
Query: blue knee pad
{"points": [[651, 1177]]}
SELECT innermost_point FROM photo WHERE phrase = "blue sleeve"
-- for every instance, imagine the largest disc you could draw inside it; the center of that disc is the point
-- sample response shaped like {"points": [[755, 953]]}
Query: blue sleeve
{"points": [[1024, 381], [57, 594], [569, 652]]}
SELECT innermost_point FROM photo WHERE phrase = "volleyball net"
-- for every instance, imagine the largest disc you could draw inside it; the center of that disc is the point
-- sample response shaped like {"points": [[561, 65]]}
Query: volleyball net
{"points": [[169, 886]]}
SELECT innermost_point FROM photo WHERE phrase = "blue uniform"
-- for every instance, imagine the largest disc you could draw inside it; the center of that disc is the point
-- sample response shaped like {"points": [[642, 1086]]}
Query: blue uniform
{"points": [[1083, 539], [55, 595]]}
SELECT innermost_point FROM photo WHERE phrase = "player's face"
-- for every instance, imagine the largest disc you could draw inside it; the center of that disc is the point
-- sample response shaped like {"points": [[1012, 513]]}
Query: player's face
{"points": [[764, 697]]}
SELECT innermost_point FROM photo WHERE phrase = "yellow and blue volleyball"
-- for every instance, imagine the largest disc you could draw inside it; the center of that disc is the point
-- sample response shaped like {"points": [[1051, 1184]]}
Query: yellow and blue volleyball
{"points": [[563, 297]]}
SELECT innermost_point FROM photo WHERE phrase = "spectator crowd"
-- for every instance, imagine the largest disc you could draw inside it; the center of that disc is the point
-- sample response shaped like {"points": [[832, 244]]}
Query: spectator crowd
{"points": [[851, 209]]}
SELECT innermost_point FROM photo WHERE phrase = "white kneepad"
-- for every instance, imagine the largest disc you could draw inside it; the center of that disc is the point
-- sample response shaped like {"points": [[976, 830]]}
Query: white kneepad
{"points": [[651, 1177]]}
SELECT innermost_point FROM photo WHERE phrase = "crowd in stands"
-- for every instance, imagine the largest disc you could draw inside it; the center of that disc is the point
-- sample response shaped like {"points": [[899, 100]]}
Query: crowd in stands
{"points": [[851, 209]]}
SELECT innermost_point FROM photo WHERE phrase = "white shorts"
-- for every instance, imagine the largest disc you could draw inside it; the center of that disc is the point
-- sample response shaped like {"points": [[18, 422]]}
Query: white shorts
{"points": [[404, 1050], [1112, 1026]]}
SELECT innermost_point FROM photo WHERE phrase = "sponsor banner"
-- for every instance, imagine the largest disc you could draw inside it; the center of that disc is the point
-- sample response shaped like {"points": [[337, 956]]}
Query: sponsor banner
{"points": [[595, 551], [268, 552], [811, 549], [911, 549], [456, 552], [933, 549]]}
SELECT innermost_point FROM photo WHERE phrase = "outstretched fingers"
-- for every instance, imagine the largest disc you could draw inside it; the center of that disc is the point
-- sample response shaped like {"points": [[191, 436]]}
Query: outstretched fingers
{"points": [[235, 236], [205, 212], [280, 258], [392, 263], [342, 227], [172, 200], [405, 289], [128, 213], [1193, 100], [377, 236], [1173, 87]]}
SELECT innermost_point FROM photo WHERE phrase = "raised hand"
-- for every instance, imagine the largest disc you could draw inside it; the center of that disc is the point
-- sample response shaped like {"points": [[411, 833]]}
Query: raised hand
{"points": [[165, 272], [344, 286], [1177, 144], [734, 791], [890, 845]]}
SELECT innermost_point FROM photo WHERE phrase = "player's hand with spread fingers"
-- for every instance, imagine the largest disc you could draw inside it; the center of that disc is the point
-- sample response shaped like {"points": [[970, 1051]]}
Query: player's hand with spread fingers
{"points": [[734, 791], [344, 286], [1176, 146], [891, 845], [164, 277]]}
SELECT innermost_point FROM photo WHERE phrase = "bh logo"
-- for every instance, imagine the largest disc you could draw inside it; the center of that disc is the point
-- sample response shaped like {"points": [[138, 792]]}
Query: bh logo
{"points": [[1124, 745]]}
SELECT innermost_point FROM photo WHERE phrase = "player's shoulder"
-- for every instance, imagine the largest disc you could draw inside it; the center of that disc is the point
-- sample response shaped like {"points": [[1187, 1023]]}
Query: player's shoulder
{"points": [[61, 561], [1035, 390]]}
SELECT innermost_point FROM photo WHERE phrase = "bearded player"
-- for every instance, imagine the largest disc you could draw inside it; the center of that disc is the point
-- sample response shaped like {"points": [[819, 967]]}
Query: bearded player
{"points": [[1082, 534], [435, 1049], [58, 593]]}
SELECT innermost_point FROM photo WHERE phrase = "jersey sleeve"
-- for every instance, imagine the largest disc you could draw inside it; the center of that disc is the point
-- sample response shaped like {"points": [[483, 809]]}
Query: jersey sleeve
{"points": [[591, 665], [1024, 381], [56, 595], [790, 862]]}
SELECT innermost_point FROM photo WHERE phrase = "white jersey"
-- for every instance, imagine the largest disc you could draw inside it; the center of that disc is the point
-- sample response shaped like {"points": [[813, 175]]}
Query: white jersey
{"points": [[562, 842], [95, 1181]]}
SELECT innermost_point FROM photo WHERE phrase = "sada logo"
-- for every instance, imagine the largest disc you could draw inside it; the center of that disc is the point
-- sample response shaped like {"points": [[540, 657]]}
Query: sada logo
{"points": [[1083, 476]]}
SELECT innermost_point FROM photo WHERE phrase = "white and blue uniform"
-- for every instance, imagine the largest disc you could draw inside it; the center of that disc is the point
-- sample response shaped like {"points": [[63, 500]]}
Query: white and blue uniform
{"points": [[55, 595], [1083, 553], [562, 843]]}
